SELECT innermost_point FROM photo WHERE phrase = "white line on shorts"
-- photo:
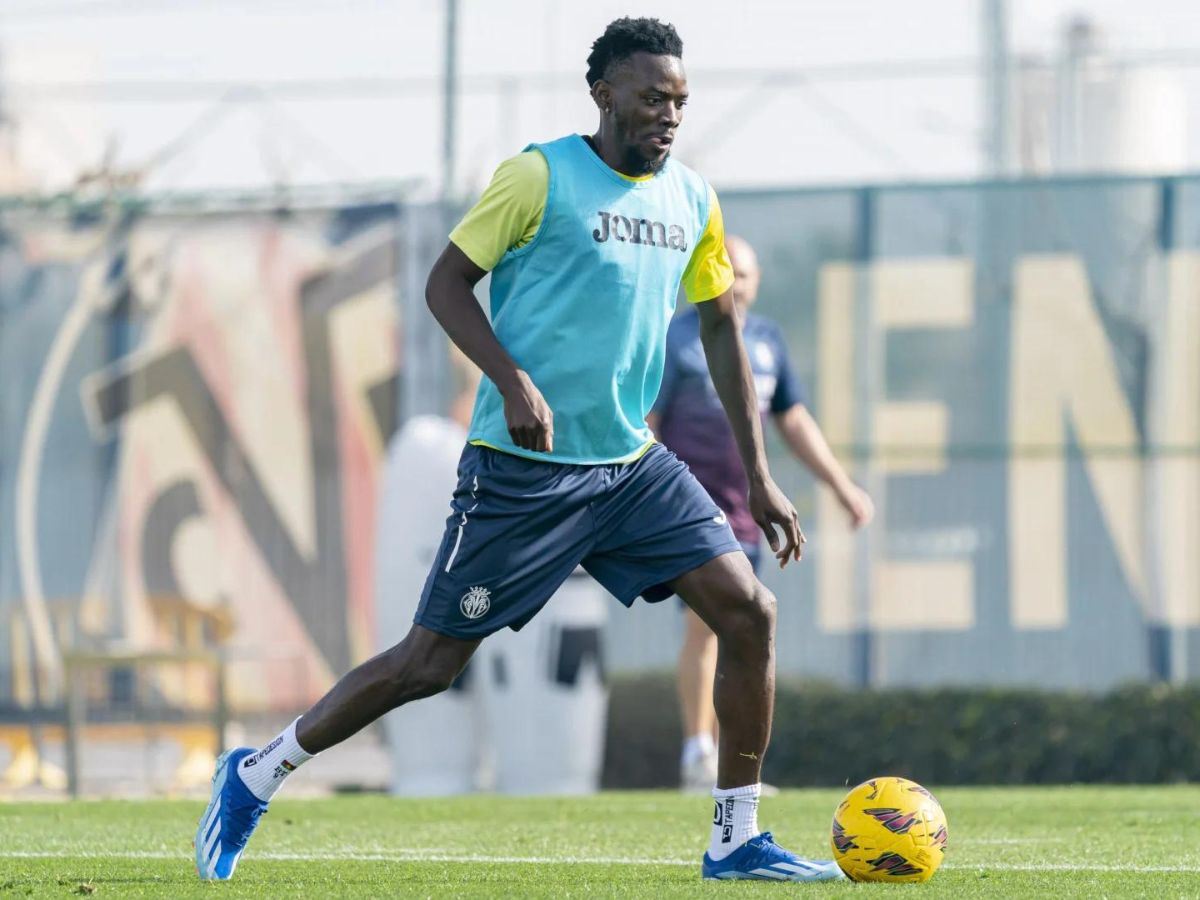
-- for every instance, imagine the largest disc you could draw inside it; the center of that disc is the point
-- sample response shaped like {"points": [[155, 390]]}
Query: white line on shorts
{"points": [[462, 524]]}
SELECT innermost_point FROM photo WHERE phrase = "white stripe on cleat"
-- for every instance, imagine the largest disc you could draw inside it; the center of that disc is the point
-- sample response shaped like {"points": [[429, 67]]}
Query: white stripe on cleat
{"points": [[769, 873]]}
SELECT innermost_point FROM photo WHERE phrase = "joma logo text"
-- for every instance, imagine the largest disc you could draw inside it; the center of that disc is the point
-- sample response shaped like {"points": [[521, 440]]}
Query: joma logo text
{"points": [[639, 231]]}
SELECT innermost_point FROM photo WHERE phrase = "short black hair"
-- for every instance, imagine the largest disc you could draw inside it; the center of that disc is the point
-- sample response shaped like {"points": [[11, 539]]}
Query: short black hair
{"points": [[625, 37]]}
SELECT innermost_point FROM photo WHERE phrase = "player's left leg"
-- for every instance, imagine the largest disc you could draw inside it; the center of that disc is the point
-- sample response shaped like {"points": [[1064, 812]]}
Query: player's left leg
{"points": [[697, 669], [660, 533], [741, 613]]}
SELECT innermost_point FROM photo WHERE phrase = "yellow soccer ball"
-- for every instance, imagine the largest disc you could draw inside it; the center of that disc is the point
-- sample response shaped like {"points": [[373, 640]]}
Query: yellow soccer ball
{"points": [[889, 829]]}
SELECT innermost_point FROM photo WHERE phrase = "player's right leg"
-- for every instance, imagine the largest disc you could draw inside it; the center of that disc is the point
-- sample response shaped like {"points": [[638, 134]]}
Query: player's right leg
{"points": [[518, 530], [423, 664]]}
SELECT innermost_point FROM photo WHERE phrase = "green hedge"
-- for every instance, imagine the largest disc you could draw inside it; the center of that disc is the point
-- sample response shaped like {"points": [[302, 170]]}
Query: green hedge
{"points": [[825, 735]]}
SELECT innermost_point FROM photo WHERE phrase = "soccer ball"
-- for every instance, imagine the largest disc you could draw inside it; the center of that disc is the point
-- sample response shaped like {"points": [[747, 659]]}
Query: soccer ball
{"points": [[889, 829]]}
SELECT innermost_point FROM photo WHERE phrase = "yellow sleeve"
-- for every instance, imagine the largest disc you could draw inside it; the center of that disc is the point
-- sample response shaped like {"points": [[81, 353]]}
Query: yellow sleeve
{"points": [[508, 214], [709, 273]]}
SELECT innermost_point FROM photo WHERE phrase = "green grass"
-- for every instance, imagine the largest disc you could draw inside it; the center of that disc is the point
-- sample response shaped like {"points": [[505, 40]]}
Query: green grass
{"points": [[1004, 842]]}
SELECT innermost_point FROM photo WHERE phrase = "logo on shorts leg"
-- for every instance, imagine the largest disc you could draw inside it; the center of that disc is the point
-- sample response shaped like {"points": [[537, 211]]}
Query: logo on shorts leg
{"points": [[475, 602]]}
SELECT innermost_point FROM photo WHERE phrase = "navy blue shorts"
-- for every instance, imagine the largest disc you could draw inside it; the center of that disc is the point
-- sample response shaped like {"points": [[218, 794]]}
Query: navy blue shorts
{"points": [[519, 527]]}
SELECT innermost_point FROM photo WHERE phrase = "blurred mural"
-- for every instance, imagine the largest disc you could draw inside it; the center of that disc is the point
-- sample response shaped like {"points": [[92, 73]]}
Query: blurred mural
{"points": [[195, 406]]}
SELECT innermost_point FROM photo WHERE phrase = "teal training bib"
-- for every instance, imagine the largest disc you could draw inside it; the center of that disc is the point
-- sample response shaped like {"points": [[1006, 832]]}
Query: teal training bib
{"points": [[584, 307]]}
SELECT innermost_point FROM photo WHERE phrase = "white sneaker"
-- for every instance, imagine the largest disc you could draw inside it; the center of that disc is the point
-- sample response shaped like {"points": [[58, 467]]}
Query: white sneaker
{"points": [[699, 777]]}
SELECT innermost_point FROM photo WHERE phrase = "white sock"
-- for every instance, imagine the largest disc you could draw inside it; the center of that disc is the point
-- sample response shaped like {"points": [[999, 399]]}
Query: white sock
{"points": [[264, 771], [696, 748], [735, 820]]}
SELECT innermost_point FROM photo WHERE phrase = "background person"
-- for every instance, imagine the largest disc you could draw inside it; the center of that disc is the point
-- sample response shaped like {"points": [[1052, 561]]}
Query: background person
{"points": [[689, 419]]}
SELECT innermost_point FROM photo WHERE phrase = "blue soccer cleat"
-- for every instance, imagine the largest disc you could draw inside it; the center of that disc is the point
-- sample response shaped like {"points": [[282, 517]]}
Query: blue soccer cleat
{"points": [[229, 820], [761, 859]]}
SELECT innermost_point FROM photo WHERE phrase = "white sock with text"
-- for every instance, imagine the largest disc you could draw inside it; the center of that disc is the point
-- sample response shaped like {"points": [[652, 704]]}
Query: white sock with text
{"points": [[735, 819], [265, 770]]}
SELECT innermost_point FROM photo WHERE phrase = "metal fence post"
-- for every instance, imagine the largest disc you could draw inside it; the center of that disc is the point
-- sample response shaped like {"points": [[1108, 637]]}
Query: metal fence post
{"points": [[76, 716], [863, 669], [1167, 640], [221, 712]]}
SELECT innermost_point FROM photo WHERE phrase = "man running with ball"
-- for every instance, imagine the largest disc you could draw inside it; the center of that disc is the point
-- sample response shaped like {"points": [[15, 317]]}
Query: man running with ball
{"points": [[588, 239]]}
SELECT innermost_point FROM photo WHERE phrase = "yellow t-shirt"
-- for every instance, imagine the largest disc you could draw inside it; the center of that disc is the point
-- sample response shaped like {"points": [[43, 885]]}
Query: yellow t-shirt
{"points": [[508, 214]]}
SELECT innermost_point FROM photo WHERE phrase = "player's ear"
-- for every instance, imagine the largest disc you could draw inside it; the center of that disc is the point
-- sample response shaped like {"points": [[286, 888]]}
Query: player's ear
{"points": [[602, 95]]}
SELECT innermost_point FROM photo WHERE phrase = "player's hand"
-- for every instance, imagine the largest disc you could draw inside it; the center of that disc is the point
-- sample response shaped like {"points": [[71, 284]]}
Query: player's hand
{"points": [[857, 504], [770, 507], [530, 422]]}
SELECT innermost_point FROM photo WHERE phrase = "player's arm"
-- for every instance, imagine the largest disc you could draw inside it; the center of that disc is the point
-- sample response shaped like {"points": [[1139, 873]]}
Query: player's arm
{"points": [[721, 334], [451, 298], [706, 282], [507, 214], [805, 439]]}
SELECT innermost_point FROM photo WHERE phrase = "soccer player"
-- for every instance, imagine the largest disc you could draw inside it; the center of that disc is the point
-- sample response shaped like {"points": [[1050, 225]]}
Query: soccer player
{"points": [[689, 419], [587, 240]]}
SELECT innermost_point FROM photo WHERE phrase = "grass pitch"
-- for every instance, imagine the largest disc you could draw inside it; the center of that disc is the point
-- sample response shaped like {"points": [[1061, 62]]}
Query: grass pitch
{"points": [[1004, 842]]}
